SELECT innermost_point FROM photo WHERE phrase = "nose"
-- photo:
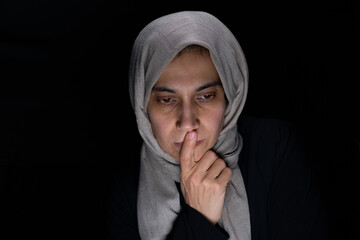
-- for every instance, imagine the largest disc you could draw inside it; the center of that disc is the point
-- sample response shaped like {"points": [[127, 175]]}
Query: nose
{"points": [[187, 118]]}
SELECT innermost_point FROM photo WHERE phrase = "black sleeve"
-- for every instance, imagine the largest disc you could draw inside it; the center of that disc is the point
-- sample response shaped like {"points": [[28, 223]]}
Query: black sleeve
{"points": [[191, 224]]}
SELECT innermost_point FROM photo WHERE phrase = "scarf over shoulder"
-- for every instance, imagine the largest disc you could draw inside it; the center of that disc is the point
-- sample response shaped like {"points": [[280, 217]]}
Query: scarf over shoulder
{"points": [[154, 48]]}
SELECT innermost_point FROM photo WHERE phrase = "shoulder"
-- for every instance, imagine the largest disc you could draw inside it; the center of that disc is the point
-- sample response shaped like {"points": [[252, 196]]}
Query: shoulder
{"points": [[264, 128], [267, 134], [123, 187], [122, 199], [269, 144], [124, 180]]}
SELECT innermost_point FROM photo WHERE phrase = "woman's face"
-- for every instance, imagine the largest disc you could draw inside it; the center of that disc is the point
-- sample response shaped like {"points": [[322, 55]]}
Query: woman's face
{"points": [[187, 96]]}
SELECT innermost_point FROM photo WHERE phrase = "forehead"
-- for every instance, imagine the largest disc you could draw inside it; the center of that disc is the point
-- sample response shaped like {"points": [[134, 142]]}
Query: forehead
{"points": [[190, 68]]}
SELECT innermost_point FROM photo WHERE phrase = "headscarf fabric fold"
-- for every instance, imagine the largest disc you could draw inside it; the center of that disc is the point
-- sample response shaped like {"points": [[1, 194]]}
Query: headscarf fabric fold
{"points": [[154, 48]]}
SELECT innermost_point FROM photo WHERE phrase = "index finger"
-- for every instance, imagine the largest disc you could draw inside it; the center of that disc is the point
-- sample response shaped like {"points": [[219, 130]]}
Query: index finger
{"points": [[187, 160]]}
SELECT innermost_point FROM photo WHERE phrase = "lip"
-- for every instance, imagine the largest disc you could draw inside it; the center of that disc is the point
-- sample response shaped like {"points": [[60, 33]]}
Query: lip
{"points": [[179, 144]]}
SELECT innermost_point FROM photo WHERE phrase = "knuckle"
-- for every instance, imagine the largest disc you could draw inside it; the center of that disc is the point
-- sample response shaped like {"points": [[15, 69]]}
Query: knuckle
{"points": [[195, 179], [221, 163], [211, 154], [218, 187], [207, 183]]}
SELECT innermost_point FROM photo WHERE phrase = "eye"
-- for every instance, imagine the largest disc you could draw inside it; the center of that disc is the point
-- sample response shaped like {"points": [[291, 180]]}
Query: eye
{"points": [[165, 100], [206, 97]]}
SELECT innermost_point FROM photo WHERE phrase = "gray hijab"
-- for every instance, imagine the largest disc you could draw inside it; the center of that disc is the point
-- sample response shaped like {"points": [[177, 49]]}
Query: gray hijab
{"points": [[154, 48]]}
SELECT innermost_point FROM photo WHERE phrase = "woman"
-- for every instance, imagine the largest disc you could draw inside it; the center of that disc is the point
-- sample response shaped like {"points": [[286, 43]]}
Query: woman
{"points": [[199, 176]]}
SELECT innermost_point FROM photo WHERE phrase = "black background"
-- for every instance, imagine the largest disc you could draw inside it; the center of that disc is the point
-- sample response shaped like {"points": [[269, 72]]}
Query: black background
{"points": [[66, 121]]}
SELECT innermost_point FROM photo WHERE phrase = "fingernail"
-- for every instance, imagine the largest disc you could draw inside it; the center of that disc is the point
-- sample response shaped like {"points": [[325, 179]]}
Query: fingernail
{"points": [[191, 135]]}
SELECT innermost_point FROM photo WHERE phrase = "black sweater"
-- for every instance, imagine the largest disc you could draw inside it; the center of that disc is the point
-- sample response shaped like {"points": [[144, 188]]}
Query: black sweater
{"points": [[283, 199]]}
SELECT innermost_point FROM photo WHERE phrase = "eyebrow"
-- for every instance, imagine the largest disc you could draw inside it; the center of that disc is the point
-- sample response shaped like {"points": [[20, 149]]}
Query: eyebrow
{"points": [[163, 89], [207, 85]]}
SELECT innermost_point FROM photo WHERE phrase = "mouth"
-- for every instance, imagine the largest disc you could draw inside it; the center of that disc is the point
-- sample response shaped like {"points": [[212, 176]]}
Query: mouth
{"points": [[179, 144]]}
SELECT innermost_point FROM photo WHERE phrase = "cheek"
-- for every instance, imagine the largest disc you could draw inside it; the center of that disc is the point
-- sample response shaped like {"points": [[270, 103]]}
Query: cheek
{"points": [[156, 122], [217, 124], [215, 120], [160, 126]]}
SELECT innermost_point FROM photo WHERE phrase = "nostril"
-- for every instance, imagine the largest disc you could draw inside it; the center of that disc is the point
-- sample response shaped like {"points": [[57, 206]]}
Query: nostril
{"points": [[187, 123]]}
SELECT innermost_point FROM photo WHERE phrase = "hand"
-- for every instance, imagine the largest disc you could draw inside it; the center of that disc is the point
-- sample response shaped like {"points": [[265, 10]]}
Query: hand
{"points": [[203, 182]]}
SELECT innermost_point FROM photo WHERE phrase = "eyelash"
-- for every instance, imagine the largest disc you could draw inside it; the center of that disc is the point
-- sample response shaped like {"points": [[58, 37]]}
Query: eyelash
{"points": [[163, 100], [208, 97]]}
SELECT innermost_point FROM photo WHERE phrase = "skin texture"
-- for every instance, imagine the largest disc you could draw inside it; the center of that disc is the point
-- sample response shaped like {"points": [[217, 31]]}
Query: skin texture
{"points": [[186, 111]]}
